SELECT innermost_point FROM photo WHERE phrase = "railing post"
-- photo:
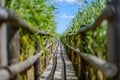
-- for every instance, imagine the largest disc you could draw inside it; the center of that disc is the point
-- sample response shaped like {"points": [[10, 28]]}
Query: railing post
{"points": [[72, 52], [76, 57], [2, 3], [66, 38], [3, 45], [3, 41], [69, 51], [9, 44], [37, 69], [113, 36], [83, 63], [37, 65], [67, 41], [13, 46]]}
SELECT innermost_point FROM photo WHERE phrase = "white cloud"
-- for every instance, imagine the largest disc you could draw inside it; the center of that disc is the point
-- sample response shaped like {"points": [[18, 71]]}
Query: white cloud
{"points": [[78, 2], [68, 1], [66, 16]]}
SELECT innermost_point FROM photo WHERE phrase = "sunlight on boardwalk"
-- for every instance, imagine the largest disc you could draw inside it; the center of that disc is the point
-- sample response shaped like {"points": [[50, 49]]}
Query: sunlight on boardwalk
{"points": [[57, 75], [70, 74], [47, 71]]}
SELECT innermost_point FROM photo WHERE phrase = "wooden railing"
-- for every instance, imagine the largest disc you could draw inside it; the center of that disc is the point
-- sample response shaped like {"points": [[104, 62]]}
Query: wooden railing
{"points": [[10, 66], [111, 66]]}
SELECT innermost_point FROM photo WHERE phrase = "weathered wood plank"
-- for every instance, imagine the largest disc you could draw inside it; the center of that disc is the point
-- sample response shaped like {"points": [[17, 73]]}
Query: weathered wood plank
{"points": [[47, 71], [70, 74], [58, 72]]}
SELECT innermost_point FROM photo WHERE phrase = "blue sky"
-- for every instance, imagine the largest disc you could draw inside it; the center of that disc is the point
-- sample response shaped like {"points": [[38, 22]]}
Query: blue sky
{"points": [[66, 10]]}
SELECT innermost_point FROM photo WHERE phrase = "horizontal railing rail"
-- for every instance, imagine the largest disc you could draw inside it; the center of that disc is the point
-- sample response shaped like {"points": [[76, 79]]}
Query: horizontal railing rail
{"points": [[10, 66], [107, 14], [13, 70], [109, 69], [10, 17]]}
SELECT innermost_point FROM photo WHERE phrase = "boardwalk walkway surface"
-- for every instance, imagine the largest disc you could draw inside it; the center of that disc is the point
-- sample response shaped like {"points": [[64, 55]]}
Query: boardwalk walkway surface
{"points": [[60, 67]]}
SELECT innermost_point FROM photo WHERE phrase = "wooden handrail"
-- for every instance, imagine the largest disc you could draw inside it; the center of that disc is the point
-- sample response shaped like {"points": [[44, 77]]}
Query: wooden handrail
{"points": [[107, 14], [18, 67], [14, 21], [109, 69]]}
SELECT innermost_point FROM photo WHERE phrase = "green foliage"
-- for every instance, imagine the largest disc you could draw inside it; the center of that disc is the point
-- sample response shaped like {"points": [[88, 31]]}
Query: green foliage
{"points": [[94, 40], [91, 42], [37, 14]]}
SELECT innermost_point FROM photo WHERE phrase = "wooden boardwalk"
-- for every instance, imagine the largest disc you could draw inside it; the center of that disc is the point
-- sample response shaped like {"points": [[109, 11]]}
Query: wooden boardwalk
{"points": [[61, 69]]}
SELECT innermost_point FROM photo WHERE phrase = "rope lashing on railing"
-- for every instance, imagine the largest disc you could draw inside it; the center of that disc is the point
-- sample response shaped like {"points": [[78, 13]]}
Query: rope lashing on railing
{"points": [[18, 67], [109, 69], [11, 18]]}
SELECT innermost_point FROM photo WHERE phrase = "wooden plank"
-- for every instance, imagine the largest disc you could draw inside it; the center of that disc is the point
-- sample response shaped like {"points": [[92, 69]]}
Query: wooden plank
{"points": [[58, 71], [70, 74], [47, 70]]}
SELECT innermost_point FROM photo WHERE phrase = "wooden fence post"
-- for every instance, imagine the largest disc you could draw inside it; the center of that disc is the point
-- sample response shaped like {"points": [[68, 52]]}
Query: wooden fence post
{"points": [[9, 44], [66, 38], [76, 56], [13, 46], [67, 41], [113, 36], [3, 41], [83, 63], [3, 45], [37, 64], [69, 50]]}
